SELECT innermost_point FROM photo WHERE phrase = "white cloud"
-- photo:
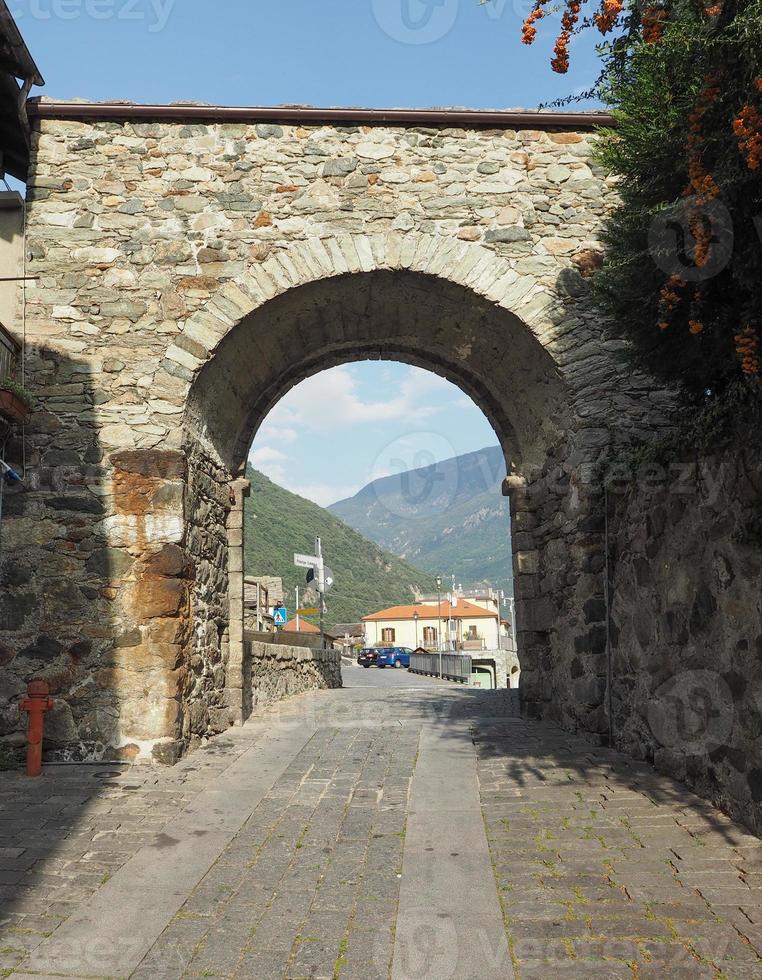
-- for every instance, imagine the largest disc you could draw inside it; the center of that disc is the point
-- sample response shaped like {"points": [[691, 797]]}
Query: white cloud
{"points": [[266, 455], [277, 433], [270, 461], [273, 463], [322, 493], [335, 399]]}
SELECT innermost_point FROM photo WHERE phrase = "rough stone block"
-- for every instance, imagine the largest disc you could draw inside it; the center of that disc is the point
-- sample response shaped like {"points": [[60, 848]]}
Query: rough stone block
{"points": [[153, 463]]}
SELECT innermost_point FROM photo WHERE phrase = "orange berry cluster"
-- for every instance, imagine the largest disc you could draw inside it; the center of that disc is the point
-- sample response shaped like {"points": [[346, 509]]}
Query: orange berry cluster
{"points": [[607, 15], [702, 187], [695, 326], [669, 299], [529, 31], [748, 129], [698, 175], [654, 21], [702, 184], [560, 63], [747, 348]]}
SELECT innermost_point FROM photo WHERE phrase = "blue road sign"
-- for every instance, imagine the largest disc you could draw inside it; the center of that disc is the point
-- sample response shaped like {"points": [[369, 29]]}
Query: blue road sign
{"points": [[280, 616]]}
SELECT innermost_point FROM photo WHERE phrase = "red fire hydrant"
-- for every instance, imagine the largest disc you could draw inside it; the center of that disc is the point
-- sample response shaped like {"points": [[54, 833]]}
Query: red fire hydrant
{"points": [[36, 703]]}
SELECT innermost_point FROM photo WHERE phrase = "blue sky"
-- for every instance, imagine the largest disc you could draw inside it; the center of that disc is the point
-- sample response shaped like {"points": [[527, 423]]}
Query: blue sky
{"points": [[323, 52], [340, 429], [344, 427]]}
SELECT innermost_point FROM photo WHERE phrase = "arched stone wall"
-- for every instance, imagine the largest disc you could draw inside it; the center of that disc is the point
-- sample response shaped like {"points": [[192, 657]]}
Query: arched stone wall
{"points": [[171, 255], [466, 314]]}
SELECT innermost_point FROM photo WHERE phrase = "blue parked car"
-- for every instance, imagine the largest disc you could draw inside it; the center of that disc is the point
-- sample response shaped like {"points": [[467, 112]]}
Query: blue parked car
{"points": [[394, 657]]}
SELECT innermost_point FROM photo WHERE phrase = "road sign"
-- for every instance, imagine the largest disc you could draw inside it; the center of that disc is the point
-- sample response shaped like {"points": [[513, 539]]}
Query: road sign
{"points": [[306, 561], [280, 616], [314, 580], [311, 611]]}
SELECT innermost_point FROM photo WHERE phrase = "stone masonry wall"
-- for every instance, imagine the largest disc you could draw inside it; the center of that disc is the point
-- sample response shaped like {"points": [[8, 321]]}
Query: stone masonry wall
{"points": [[279, 672], [209, 504], [154, 243], [687, 625]]}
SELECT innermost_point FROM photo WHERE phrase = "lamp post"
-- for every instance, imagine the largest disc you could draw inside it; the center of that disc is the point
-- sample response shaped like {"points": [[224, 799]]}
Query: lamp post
{"points": [[500, 600], [512, 601], [416, 618], [439, 622]]}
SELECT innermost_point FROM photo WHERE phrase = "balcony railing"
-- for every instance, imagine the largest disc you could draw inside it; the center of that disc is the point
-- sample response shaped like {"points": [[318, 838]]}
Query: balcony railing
{"points": [[472, 643]]}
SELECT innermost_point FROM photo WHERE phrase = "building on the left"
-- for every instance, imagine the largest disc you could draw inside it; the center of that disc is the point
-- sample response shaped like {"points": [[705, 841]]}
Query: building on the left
{"points": [[18, 75]]}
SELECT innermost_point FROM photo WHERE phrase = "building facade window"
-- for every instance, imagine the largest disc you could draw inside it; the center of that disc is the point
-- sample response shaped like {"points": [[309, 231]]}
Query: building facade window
{"points": [[471, 635], [388, 635], [429, 634]]}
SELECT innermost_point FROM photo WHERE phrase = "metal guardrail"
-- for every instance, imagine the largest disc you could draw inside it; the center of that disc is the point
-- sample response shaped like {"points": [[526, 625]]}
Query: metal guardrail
{"points": [[454, 666]]}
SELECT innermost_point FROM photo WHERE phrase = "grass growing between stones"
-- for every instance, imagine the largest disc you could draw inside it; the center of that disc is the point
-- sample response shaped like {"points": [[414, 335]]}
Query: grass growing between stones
{"points": [[503, 890], [341, 959]]}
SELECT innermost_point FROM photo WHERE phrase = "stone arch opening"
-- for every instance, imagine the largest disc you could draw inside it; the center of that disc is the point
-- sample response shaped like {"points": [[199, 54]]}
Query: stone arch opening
{"points": [[423, 320], [402, 457], [398, 315]]}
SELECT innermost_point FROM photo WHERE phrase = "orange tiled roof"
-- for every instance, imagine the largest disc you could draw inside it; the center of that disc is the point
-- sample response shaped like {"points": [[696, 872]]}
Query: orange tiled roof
{"points": [[463, 610], [304, 627]]}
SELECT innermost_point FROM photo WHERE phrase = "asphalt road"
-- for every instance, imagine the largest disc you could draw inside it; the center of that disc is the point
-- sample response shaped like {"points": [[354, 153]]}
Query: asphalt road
{"points": [[388, 677]]}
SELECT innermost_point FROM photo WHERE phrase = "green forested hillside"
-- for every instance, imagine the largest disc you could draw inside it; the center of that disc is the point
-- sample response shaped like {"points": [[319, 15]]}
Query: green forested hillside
{"points": [[450, 518], [367, 577]]}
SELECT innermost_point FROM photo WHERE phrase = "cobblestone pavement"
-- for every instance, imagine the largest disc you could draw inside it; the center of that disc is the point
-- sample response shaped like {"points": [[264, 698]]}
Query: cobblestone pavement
{"points": [[606, 869], [64, 835], [602, 867]]}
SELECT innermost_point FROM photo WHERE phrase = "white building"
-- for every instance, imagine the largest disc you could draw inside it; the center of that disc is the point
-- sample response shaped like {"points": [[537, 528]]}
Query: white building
{"points": [[493, 600], [455, 624]]}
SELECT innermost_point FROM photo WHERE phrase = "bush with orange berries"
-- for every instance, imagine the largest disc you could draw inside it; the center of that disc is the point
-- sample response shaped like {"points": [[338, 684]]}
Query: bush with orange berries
{"points": [[684, 248]]}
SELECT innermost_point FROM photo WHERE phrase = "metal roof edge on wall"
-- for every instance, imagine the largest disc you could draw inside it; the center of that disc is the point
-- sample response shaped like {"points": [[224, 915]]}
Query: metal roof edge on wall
{"points": [[18, 56], [448, 118]]}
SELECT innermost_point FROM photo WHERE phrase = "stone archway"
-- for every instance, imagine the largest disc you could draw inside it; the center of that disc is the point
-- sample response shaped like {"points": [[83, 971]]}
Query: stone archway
{"points": [[129, 599], [459, 310]]}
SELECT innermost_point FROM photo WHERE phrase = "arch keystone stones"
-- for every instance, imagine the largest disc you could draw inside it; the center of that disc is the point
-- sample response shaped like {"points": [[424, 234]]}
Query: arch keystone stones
{"points": [[466, 264]]}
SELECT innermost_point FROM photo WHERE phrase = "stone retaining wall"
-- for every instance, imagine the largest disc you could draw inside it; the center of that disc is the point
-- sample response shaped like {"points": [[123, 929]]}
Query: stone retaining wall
{"points": [[311, 640], [687, 626], [279, 672]]}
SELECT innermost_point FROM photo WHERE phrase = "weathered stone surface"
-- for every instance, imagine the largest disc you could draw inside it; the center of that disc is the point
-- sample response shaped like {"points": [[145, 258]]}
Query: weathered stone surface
{"points": [[170, 561], [157, 598], [157, 464], [252, 243], [278, 672], [687, 624], [506, 235]]}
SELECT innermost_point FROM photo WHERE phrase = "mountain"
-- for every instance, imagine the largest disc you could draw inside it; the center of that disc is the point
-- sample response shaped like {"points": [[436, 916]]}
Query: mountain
{"points": [[367, 578], [447, 518]]}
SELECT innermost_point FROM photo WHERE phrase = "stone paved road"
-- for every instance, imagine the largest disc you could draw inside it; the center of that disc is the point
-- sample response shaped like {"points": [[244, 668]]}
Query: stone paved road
{"points": [[412, 830]]}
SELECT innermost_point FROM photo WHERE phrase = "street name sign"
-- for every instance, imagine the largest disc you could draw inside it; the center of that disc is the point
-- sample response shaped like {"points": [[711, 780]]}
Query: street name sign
{"points": [[306, 561]]}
